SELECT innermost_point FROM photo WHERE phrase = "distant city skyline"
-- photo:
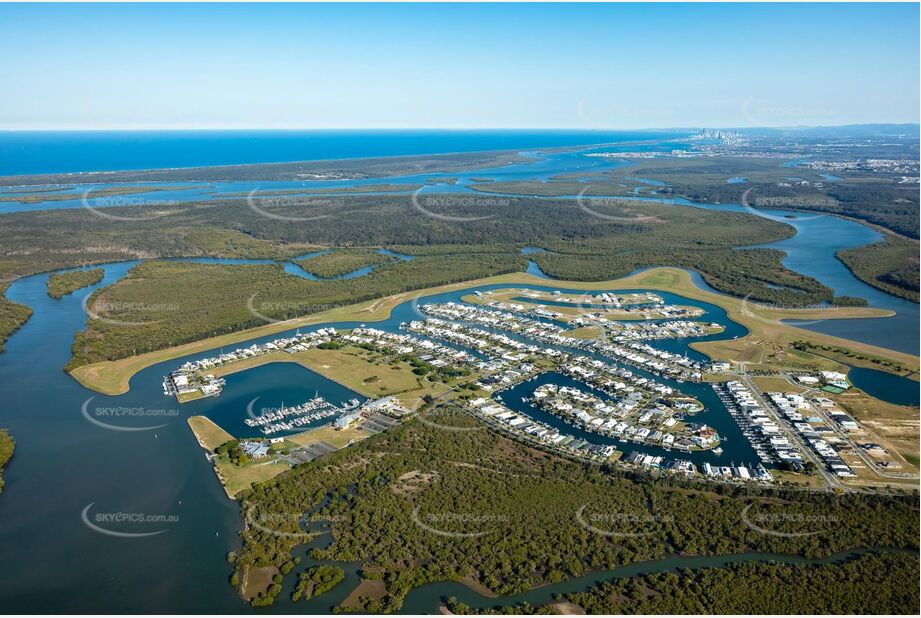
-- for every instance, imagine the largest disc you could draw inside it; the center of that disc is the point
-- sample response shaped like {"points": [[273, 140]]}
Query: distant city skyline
{"points": [[449, 66]]}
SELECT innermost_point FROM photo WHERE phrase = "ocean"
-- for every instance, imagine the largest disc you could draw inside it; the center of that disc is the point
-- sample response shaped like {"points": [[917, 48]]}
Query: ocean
{"points": [[50, 152]]}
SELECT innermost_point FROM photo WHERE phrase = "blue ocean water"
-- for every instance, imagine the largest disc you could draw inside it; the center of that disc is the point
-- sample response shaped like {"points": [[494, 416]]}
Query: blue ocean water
{"points": [[47, 152]]}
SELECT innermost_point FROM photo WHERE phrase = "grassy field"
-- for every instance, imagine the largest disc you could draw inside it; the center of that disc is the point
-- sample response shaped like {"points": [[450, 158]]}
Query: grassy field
{"points": [[515, 296], [360, 370], [112, 377], [236, 478], [366, 589], [365, 372], [586, 332], [842, 356], [777, 384], [257, 580], [208, 434], [239, 478], [334, 437]]}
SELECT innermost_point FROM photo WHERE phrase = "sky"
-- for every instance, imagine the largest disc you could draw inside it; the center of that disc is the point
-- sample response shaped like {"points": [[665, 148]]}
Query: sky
{"points": [[589, 66]]}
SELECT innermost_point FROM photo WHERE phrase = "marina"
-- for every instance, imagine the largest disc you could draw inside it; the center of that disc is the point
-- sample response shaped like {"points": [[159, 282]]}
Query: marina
{"points": [[291, 418], [55, 322], [145, 479]]}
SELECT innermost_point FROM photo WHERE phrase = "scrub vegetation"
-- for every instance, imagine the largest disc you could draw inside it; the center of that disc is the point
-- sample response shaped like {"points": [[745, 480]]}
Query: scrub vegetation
{"points": [[862, 585], [342, 262], [164, 304], [12, 315], [479, 505], [883, 583], [38, 197], [891, 265], [218, 242], [212, 299], [873, 198], [60, 285], [316, 580], [7, 446]]}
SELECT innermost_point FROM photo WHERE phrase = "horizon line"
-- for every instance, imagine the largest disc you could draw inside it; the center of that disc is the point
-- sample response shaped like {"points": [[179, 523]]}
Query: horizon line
{"points": [[581, 129]]}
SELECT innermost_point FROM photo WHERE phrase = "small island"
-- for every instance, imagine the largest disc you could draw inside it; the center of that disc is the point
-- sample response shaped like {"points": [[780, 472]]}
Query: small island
{"points": [[7, 446], [342, 262], [60, 285], [317, 580]]}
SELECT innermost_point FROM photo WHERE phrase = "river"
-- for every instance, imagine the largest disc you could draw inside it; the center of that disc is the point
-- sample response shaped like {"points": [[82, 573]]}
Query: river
{"points": [[810, 251], [67, 470], [65, 464]]}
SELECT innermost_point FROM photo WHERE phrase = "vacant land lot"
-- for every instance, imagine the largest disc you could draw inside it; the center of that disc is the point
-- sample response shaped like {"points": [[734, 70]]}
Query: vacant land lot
{"points": [[209, 435]]}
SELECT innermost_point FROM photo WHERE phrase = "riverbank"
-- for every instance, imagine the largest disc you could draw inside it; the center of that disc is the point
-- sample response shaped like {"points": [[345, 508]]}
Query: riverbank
{"points": [[351, 367], [113, 377]]}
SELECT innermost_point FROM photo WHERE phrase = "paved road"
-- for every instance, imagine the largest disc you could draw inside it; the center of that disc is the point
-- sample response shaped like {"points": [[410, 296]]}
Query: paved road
{"points": [[791, 434]]}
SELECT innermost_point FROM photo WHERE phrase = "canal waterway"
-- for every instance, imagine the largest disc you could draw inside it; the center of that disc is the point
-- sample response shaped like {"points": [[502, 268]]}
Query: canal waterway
{"points": [[811, 251], [67, 468], [68, 471], [885, 386]]}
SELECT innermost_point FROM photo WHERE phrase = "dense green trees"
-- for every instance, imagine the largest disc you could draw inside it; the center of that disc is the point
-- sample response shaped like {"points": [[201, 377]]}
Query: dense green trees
{"points": [[475, 503], [342, 262], [891, 265], [12, 315], [234, 452], [163, 304], [584, 244], [60, 285], [755, 273], [7, 446], [316, 580], [876, 583]]}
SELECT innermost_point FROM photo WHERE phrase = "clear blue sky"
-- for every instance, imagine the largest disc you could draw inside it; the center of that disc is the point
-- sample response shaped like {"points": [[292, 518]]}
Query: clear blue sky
{"points": [[457, 66]]}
